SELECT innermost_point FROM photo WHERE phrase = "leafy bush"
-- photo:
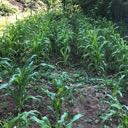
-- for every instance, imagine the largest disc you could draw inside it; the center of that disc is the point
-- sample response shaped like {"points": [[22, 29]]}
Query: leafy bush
{"points": [[96, 7], [7, 67]]}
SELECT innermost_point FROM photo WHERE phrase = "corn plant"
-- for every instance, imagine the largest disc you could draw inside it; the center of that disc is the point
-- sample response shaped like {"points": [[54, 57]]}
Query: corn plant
{"points": [[114, 85], [15, 46], [57, 99], [40, 42], [25, 120], [62, 122], [114, 49], [19, 82], [20, 121], [116, 109], [27, 37], [41, 45], [62, 92], [63, 39], [7, 67], [91, 47]]}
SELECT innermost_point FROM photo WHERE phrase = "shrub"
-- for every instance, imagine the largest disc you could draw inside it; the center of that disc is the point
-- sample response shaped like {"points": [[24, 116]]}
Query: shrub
{"points": [[96, 7]]}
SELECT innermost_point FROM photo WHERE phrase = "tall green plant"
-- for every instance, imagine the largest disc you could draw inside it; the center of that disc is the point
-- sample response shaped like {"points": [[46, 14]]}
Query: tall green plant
{"points": [[59, 96], [27, 37], [62, 122], [7, 67], [20, 121], [19, 82], [90, 44], [63, 39], [116, 109]]}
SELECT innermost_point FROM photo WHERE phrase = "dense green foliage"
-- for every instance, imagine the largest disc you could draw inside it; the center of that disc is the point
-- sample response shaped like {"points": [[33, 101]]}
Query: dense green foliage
{"points": [[66, 39], [97, 7], [94, 44]]}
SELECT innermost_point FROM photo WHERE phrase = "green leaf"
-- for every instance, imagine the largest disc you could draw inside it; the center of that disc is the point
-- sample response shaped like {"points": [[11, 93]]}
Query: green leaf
{"points": [[75, 118], [108, 115], [61, 122], [35, 98], [118, 106], [3, 86], [44, 122]]}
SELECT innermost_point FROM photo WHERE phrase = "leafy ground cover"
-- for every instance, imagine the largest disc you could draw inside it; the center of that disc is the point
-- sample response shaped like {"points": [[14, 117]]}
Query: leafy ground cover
{"points": [[63, 69]]}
